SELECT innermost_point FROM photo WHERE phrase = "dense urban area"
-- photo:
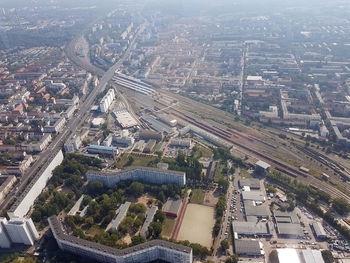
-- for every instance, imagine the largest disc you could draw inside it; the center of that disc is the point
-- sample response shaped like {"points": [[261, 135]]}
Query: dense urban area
{"points": [[175, 131]]}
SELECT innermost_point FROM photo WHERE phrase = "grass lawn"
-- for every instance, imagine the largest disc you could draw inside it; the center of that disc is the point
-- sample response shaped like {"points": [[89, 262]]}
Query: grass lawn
{"points": [[218, 174], [244, 173], [202, 152], [93, 230], [197, 196], [168, 226], [138, 160]]}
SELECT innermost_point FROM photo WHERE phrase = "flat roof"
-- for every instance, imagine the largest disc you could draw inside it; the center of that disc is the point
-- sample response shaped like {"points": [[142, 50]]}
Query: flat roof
{"points": [[286, 216], [253, 183], [251, 210], [262, 164], [289, 229], [253, 195], [125, 119], [250, 228], [104, 148], [312, 256], [56, 227], [249, 247], [143, 168], [288, 255]]}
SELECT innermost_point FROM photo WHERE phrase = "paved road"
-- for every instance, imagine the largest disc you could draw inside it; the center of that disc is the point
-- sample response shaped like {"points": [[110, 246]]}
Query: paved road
{"points": [[75, 123]]}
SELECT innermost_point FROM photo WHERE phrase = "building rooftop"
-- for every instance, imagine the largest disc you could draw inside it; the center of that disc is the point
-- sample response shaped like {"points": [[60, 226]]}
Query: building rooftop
{"points": [[56, 228], [248, 247], [251, 182], [113, 173], [172, 206], [288, 255], [318, 228], [262, 164], [149, 218], [250, 228], [288, 229], [312, 256], [253, 195], [103, 148], [286, 217]]}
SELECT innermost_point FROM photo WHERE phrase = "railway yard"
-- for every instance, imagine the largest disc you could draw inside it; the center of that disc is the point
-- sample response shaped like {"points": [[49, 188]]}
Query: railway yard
{"points": [[256, 142]]}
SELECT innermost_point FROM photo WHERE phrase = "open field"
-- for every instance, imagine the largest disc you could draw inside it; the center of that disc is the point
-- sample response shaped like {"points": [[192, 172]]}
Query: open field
{"points": [[138, 161], [168, 226], [198, 224], [197, 196]]}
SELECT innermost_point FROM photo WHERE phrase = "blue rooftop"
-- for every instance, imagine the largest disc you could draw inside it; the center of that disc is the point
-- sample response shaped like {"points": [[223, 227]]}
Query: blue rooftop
{"points": [[104, 148]]}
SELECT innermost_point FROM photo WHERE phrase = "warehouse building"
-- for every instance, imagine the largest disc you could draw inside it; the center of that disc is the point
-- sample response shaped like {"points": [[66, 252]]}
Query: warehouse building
{"points": [[143, 174], [248, 248], [155, 250], [124, 119], [319, 231], [312, 256], [254, 212], [252, 229], [288, 224], [122, 211], [252, 183], [256, 196]]}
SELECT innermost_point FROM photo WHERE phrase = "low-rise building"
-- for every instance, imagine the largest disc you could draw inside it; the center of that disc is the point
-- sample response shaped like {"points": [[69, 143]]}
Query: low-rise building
{"points": [[122, 211], [172, 207], [248, 248], [149, 218]]}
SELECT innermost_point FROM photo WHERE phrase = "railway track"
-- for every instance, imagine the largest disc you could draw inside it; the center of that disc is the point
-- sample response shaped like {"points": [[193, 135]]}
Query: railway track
{"points": [[232, 136]]}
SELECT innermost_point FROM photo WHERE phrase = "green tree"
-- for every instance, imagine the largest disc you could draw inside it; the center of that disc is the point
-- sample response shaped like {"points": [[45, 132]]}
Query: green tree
{"points": [[273, 257], [138, 240], [136, 189], [159, 216], [327, 256], [155, 229], [232, 259], [224, 244], [341, 205]]}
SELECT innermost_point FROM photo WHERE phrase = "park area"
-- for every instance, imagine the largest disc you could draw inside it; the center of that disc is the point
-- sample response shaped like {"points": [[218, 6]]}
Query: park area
{"points": [[197, 225]]}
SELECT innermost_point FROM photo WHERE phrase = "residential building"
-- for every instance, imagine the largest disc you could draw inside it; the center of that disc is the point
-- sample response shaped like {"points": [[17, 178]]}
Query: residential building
{"points": [[143, 174]]}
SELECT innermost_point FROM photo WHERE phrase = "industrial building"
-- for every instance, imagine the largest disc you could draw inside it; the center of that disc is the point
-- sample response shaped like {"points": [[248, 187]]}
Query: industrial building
{"points": [[146, 252], [256, 196], [124, 139], [252, 183], [142, 174], [122, 211], [103, 150], [248, 248], [253, 211], [124, 119], [312, 256], [262, 168], [186, 143], [107, 100], [158, 125], [252, 229], [149, 218], [172, 207], [319, 231], [148, 135], [288, 224]]}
